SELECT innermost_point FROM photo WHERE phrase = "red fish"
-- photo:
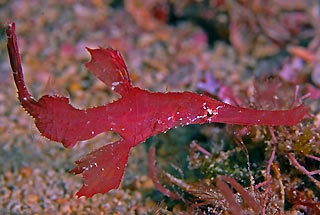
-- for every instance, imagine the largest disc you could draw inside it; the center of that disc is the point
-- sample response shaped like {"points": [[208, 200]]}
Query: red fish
{"points": [[137, 115]]}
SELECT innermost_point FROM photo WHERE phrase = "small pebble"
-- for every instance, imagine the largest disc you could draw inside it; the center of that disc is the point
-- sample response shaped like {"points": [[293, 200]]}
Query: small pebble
{"points": [[26, 172], [32, 198]]}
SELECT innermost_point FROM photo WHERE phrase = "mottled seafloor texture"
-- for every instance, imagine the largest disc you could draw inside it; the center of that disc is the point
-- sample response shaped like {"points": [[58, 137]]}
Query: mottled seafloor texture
{"points": [[214, 47]]}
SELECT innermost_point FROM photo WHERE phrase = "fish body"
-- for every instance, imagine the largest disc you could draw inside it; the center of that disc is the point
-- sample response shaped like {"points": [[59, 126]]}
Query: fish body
{"points": [[135, 116]]}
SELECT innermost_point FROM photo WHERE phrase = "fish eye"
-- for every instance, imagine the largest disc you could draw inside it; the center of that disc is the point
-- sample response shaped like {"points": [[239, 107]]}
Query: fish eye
{"points": [[209, 112]]}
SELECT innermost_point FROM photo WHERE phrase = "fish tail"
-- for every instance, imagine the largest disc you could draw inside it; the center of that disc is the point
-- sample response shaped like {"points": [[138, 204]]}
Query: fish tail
{"points": [[25, 98], [54, 116]]}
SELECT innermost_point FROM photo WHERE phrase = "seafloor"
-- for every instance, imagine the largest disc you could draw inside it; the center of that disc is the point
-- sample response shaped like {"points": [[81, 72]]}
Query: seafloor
{"points": [[214, 47]]}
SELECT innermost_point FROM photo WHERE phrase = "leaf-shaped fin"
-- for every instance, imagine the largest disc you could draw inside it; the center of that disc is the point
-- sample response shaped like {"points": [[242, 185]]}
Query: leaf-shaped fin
{"points": [[108, 65], [103, 168]]}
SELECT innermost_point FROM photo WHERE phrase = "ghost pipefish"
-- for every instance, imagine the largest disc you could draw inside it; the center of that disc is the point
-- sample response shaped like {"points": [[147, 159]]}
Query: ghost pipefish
{"points": [[137, 115]]}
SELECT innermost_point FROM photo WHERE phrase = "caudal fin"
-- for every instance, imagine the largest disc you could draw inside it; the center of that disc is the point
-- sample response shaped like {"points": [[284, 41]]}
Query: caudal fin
{"points": [[26, 100], [103, 168], [55, 118], [108, 65]]}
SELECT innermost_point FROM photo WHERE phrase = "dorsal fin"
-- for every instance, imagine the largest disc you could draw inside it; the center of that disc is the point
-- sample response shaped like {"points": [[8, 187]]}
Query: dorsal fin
{"points": [[108, 65]]}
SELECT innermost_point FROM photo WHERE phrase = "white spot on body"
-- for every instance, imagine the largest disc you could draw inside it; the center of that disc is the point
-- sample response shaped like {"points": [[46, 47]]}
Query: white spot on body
{"points": [[114, 84], [93, 165], [204, 105], [89, 167]]}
